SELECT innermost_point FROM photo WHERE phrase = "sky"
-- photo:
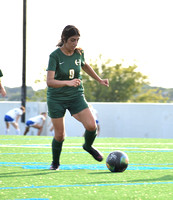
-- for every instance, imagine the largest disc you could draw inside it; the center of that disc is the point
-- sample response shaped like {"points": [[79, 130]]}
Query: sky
{"points": [[127, 31]]}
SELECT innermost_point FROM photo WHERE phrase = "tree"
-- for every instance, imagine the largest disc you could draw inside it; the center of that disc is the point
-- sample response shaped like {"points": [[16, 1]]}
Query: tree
{"points": [[41, 95], [124, 83], [151, 95]]}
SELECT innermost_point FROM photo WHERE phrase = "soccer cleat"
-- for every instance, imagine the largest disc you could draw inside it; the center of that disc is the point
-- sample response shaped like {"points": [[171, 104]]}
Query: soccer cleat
{"points": [[54, 166], [97, 155]]}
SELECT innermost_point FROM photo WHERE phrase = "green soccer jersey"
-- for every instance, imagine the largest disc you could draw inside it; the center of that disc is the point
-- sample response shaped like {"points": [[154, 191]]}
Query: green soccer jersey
{"points": [[1, 74], [66, 68]]}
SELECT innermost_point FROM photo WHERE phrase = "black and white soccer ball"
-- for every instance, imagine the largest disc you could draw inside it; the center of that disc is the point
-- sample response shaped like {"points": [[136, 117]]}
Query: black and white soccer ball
{"points": [[117, 161]]}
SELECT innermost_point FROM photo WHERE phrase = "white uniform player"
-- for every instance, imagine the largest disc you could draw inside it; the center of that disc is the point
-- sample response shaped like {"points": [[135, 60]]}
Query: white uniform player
{"points": [[12, 117], [36, 122], [95, 115]]}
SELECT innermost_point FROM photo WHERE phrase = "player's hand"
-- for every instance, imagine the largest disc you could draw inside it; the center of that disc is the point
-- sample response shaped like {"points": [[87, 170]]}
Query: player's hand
{"points": [[104, 82], [74, 83]]}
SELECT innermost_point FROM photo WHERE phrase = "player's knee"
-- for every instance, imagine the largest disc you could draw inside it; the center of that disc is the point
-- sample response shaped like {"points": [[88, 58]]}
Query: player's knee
{"points": [[59, 138], [91, 127], [59, 135], [15, 125]]}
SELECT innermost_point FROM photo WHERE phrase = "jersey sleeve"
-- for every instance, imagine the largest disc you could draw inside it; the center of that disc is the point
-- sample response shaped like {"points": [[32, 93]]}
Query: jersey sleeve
{"points": [[1, 74], [52, 64]]}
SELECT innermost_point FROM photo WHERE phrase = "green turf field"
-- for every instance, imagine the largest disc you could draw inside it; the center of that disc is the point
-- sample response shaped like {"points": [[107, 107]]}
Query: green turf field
{"points": [[25, 174]]}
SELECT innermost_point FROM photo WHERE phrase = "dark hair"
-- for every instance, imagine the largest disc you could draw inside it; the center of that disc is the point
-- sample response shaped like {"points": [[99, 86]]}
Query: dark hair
{"points": [[22, 108], [43, 113], [68, 32]]}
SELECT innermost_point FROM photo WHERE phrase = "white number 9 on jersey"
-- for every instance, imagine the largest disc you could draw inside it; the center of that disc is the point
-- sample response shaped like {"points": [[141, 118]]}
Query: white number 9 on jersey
{"points": [[71, 73]]}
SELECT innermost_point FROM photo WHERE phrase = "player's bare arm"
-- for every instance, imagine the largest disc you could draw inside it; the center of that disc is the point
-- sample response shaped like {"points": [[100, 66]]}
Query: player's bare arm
{"points": [[89, 70], [51, 82]]}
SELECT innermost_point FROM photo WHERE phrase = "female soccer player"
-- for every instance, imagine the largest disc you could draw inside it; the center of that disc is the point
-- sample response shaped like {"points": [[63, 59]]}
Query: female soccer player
{"points": [[65, 91]]}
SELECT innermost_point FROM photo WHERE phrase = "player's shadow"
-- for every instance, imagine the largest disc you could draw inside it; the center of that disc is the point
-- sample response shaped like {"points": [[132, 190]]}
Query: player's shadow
{"points": [[105, 172], [29, 173], [162, 178]]}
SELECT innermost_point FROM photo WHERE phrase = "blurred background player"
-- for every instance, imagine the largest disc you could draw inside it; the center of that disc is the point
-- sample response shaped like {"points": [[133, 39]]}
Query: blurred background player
{"points": [[95, 115], [12, 117], [2, 89], [36, 122]]}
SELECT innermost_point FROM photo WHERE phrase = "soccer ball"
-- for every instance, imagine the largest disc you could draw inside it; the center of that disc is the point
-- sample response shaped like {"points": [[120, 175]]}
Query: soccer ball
{"points": [[117, 161]]}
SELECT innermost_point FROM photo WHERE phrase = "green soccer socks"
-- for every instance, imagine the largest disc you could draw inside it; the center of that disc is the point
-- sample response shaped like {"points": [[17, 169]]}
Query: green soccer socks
{"points": [[89, 138], [87, 146], [56, 151]]}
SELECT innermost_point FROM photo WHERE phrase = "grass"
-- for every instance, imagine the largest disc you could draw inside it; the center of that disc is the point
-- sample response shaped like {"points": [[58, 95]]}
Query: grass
{"points": [[24, 173]]}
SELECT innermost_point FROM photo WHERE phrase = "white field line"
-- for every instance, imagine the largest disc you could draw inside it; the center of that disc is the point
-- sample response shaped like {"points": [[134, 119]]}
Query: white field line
{"points": [[80, 147]]}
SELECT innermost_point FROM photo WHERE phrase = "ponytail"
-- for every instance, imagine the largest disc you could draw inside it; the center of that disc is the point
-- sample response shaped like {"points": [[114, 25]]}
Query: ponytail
{"points": [[60, 43]]}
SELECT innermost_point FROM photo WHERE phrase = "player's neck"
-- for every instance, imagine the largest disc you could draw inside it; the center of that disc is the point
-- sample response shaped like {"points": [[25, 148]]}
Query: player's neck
{"points": [[67, 51]]}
